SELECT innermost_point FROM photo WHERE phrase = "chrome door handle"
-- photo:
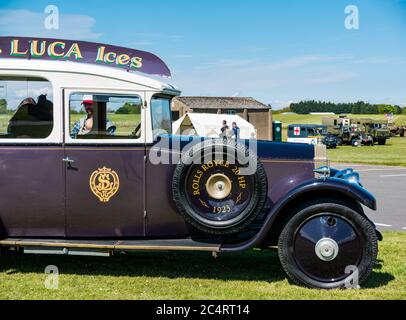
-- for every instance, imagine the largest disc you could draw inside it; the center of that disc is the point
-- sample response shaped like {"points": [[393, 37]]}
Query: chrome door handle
{"points": [[68, 160]]}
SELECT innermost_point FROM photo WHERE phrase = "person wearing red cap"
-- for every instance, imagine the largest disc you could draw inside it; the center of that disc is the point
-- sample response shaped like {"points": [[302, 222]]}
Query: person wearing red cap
{"points": [[85, 124]]}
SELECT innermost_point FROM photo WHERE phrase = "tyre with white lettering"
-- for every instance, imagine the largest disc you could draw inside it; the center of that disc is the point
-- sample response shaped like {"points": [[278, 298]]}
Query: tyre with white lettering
{"points": [[328, 244], [219, 187]]}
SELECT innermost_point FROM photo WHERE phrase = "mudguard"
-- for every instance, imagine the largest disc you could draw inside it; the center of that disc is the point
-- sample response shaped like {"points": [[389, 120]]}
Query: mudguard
{"points": [[345, 188]]}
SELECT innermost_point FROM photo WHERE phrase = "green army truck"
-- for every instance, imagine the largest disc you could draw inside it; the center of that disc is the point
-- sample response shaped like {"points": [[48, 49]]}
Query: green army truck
{"points": [[345, 131], [377, 129]]}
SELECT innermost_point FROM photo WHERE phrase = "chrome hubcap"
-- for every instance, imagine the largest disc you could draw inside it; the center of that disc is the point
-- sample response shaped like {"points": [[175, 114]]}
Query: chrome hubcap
{"points": [[326, 249], [218, 186]]}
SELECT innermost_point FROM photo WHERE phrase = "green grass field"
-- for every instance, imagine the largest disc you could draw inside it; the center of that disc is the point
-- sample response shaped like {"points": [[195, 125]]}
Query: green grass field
{"points": [[248, 275], [393, 153]]}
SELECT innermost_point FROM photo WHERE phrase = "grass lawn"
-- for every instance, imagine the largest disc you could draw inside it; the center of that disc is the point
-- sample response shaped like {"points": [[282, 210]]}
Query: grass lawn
{"points": [[393, 153], [248, 275]]}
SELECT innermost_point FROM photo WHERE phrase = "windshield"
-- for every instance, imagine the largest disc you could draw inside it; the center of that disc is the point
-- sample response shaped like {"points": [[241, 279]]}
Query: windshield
{"points": [[161, 115]]}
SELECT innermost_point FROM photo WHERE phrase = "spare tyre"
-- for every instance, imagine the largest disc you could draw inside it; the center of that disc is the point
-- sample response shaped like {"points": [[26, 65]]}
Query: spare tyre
{"points": [[215, 191]]}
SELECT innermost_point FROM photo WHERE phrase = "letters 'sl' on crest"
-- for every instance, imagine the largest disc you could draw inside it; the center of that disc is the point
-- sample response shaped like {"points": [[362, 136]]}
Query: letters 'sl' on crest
{"points": [[104, 183]]}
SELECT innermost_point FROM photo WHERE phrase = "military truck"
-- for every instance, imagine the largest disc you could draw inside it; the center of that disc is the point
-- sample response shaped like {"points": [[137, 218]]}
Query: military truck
{"points": [[348, 130], [377, 129], [396, 130], [345, 131]]}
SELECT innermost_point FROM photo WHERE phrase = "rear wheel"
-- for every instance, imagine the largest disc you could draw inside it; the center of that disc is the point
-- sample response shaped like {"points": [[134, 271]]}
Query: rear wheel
{"points": [[339, 141], [381, 141], [324, 243]]}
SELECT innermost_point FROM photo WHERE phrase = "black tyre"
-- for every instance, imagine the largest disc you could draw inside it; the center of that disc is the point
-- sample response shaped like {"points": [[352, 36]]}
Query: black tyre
{"points": [[339, 142], [214, 195], [355, 143], [323, 242], [381, 141]]}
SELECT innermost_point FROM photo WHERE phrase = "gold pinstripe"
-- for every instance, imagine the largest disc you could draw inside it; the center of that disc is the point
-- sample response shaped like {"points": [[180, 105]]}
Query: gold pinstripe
{"points": [[22, 243]]}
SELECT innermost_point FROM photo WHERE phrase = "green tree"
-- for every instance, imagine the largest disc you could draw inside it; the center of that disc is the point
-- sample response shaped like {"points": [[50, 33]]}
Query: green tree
{"points": [[129, 108], [3, 106], [386, 109]]}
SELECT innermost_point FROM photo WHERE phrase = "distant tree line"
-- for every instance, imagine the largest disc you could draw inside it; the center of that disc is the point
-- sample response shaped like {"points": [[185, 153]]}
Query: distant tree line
{"points": [[360, 107]]}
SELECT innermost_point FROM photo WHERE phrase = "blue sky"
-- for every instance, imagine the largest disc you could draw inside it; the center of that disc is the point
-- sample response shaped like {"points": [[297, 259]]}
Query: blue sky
{"points": [[276, 51]]}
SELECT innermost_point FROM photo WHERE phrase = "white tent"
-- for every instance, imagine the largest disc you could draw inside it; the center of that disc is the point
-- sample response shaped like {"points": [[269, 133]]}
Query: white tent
{"points": [[209, 125]]}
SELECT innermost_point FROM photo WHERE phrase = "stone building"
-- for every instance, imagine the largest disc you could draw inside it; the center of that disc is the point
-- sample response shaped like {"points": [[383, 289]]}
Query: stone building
{"points": [[255, 112]]}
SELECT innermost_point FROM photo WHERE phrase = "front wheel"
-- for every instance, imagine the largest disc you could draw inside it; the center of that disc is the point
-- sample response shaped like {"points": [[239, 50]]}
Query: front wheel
{"points": [[355, 143], [324, 243]]}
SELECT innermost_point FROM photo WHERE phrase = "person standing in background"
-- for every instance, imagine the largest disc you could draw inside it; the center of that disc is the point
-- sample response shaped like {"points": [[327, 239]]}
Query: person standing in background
{"points": [[236, 131]]}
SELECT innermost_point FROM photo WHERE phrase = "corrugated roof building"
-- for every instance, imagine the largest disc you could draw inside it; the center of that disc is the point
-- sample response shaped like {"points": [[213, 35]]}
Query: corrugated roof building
{"points": [[255, 112]]}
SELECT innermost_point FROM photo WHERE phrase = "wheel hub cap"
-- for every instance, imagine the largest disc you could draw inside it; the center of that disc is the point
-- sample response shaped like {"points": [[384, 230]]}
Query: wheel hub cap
{"points": [[218, 186], [326, 249]]}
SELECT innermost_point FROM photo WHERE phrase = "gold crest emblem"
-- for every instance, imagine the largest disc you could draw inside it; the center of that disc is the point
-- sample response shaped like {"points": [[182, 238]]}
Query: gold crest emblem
{"points": [[104, 183]]}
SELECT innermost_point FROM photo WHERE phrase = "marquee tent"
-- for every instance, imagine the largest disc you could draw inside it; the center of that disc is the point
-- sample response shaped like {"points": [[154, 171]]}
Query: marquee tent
{"points": [[209, 125]]}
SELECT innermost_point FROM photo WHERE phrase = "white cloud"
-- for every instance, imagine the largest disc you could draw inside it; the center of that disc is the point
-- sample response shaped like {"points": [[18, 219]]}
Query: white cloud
{"points": [[276, 80], [280, 104], [381, 60], [306, 60], [191, 55], [145, 39], [141, 44], [30, 23]]}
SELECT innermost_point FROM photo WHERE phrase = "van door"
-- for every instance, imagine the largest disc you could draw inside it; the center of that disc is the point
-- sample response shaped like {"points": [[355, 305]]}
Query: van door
{"points": [[31, 169], [104, 162]]}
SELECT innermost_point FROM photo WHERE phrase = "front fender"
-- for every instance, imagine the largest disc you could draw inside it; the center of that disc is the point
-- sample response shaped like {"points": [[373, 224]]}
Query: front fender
{"points": [[347, 189]]}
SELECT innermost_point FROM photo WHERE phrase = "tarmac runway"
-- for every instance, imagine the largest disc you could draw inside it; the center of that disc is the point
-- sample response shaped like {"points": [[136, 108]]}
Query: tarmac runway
{"points": [[388, 185]]}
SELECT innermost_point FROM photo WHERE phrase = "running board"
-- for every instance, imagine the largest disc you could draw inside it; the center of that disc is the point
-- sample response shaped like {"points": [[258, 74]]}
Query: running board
{"points": [[113, 245]]}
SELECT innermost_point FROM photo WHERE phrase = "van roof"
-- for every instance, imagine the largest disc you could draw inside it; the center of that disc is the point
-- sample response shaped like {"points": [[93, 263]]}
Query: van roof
{"points": [[88, 69]]}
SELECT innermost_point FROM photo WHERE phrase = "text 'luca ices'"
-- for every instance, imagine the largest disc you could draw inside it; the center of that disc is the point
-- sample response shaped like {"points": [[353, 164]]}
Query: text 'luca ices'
{"points": [[59, 50]]}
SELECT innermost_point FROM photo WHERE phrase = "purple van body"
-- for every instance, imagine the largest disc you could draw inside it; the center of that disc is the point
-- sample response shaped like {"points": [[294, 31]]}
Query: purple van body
{"points": [[44, 197]]}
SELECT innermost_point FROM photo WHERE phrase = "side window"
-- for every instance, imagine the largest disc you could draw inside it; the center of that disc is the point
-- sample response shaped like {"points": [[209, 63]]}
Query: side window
{"points": [[161, 115], [104, 116], [26, 108]]}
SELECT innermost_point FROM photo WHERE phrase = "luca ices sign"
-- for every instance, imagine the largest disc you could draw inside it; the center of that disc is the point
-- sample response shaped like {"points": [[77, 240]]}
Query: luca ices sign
{"points": [[82, 51]]}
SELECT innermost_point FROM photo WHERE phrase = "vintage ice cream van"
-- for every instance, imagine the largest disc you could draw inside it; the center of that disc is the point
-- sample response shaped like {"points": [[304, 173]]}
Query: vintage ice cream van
{"points": [[89, 165]]}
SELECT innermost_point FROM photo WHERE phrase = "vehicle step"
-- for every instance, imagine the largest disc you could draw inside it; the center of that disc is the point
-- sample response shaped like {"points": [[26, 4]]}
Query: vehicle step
{"points": [[115, 245], [66, 251]]}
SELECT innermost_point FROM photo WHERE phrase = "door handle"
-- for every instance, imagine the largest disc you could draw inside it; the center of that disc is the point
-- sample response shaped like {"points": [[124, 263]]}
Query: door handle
{"points": [[68, 160]]}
